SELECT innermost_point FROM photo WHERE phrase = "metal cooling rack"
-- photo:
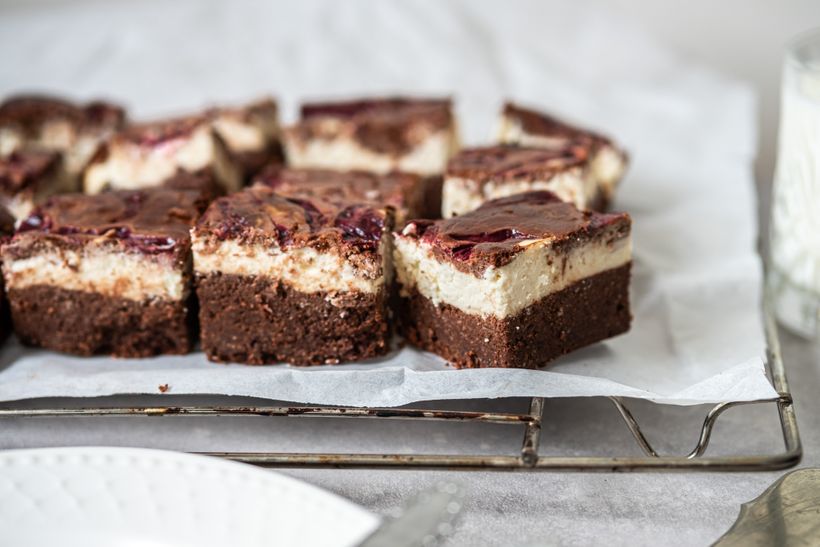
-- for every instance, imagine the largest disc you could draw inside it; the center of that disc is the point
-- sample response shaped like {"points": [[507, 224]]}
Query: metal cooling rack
{"points": [[529, 457]]}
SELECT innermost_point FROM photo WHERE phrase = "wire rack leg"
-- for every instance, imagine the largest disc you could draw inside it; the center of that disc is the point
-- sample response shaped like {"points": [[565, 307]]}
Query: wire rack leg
{"points": [[532, 432], [633, 426], [705, 430]]}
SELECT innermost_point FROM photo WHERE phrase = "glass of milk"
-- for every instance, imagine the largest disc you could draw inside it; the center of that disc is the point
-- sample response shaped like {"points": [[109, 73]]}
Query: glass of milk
{"points": [[794, 266]]}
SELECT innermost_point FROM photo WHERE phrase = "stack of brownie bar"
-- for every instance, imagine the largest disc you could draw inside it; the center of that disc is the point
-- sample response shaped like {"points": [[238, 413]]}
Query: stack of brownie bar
{"points": [[336, 244], [105, 274], [378, 135], [230, 143], [45, 143], [48, 123], [535, 152], [516, 283]]}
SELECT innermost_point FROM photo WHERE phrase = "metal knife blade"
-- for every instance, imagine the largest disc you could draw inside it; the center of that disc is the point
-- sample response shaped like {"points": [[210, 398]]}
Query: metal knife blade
{"points": [[787, 513], [428, 518]]}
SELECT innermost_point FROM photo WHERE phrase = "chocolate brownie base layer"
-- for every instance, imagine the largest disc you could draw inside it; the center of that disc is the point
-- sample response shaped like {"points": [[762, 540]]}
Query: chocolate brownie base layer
{"points": [[432, 198], [253, 163], [600, 203], [591, 310], [86, 323], [247, 319]]}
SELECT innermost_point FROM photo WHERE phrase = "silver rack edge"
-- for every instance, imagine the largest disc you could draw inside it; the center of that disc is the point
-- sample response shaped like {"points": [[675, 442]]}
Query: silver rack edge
{"points": [[528, 458]]}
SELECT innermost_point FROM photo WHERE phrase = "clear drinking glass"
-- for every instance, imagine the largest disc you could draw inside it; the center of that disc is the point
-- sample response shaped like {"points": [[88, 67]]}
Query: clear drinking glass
{"points": [[794, 265]]}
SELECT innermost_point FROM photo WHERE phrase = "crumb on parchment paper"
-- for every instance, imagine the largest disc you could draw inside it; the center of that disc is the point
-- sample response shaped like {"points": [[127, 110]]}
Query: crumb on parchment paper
{"points": [[163, 388]]}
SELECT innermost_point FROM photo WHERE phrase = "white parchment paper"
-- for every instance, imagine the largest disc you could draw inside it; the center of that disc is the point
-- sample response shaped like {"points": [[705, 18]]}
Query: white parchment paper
{"points": [[697, 335]]}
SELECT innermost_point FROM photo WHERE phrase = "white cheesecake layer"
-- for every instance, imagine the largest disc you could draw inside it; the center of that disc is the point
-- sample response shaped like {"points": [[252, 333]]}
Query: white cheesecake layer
{"points": [[245, 136], [57, 135], [19, 206], [502, 292], [304, 269], [10, 140], [460, 196], [76, 158], [130, 166], [608, 168], [116, 274], [429, 157], [77, 146], [60, 136]]}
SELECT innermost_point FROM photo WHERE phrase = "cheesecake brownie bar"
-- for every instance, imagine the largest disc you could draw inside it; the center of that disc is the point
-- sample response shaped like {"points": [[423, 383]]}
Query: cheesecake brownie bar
{"points": [[608, 162], [289, 279], [105, 274], [411, 196], [476, 175], [145, 155], [516, 283], [73, 130], [28, 177], [251, 133], [378, 135]]}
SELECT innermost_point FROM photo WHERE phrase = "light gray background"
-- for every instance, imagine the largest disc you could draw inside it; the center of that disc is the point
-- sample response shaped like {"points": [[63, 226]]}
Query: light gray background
{"points": [[745, 39], [741, 38]]}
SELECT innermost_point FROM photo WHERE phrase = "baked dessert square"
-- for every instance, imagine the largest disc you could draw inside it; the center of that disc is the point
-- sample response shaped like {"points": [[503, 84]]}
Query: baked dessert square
{"points": [[608, 161], [145, 155], [413, 135], [516, 283], [49, 123], [28, 177], [294, 280], [411, 196], [105, 274], [251, 132], [476, 175]]}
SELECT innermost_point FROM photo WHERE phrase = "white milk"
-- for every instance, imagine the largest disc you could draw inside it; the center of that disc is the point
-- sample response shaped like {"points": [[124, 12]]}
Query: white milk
{"points": [[795, 250]]}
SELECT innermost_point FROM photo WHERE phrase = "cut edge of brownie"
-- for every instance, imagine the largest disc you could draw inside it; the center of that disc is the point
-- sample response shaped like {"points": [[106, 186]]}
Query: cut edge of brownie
{"points": [[257, 320], [87, 323], [105, 274], [520, 261], [324, 263], [588, 311]]}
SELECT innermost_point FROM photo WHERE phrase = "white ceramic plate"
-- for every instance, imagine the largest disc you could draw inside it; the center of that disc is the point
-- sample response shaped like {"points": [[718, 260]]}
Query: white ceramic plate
{"points": [[138, 498]]}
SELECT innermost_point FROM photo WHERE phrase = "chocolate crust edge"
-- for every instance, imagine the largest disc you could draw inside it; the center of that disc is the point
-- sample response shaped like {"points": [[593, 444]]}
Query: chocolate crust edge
{"points": [[86, 323], [257, 321], [586, 312]]}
